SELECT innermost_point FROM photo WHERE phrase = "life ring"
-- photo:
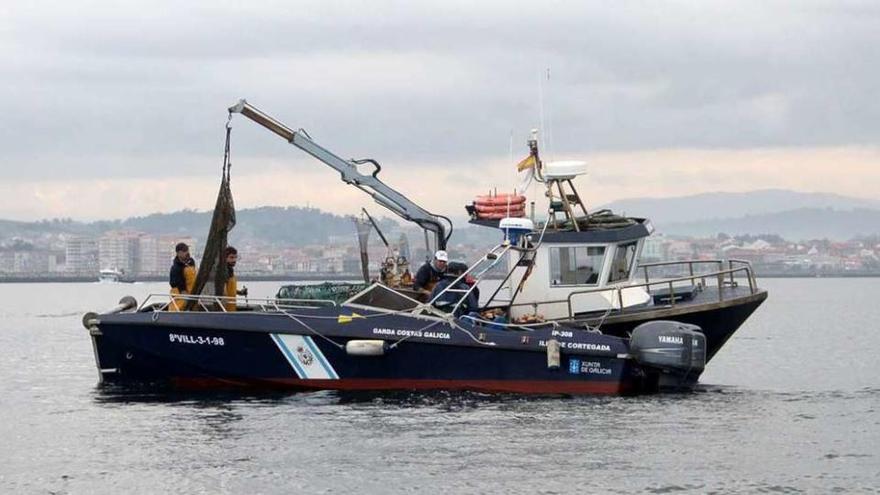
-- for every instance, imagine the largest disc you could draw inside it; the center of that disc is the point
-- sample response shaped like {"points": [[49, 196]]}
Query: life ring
{"points": [[500, 200]]}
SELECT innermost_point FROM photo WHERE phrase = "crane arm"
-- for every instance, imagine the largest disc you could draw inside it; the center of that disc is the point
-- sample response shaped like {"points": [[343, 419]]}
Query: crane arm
{"points": [[383, 194]]}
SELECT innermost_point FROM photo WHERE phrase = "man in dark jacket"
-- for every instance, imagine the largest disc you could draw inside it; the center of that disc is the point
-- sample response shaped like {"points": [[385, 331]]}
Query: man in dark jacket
{"points": [[430, 273], [182, 276]]}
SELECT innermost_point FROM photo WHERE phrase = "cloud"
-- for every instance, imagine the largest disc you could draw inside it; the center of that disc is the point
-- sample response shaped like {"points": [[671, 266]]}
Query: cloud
{"points": [[138, 91], [445, 190]]}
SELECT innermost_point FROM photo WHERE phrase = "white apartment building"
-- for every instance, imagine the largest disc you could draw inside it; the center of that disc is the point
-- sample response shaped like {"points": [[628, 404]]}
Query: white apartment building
{"points": [[157, 252], [120, 250], [81, 255]]}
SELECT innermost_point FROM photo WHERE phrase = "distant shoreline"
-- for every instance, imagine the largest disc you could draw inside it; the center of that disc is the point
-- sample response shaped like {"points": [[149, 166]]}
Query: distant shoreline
{"points": [[307, 277], [297, 277]]}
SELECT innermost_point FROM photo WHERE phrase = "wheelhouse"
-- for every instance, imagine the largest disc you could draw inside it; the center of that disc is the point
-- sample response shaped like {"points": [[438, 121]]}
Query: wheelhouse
{"points": [[567, 262]]}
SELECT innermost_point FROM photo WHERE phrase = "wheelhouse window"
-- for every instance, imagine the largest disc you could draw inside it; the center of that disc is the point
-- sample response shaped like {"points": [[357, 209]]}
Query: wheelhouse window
{"points": [[575, 265], [622, 264]]}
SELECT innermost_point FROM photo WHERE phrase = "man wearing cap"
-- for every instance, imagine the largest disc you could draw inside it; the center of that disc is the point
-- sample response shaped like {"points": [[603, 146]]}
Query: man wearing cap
{"points": [[182, 276], [430, 273], [455, 291]]}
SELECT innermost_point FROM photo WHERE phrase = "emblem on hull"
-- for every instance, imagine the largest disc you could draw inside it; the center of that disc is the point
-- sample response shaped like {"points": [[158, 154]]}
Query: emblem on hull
{"points": [[305, 357]]}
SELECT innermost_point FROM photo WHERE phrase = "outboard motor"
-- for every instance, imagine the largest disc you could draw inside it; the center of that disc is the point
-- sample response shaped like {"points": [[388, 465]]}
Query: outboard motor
{"points": [[677, 350]]}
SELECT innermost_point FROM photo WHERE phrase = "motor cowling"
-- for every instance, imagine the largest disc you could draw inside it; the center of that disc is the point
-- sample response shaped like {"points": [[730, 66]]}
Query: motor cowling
{"points": [[669, 345]]}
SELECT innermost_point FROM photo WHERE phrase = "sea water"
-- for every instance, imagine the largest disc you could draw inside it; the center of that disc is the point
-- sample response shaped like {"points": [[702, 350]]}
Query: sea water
{"points": [[790, 404]]}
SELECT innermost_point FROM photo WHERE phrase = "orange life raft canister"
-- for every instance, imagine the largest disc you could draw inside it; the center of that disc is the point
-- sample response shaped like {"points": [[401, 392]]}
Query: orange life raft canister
{"points": [[497, 206], [500, 200]]}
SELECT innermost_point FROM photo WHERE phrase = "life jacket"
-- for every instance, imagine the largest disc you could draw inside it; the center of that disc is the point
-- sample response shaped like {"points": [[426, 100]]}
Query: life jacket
{"points": [[231, 291], [182, 279]]}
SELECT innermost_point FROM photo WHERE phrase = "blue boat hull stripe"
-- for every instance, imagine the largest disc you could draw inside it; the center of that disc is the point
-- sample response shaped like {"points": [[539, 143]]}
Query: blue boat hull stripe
{"points": [[288, 355], [321, 358], [305, 357]]}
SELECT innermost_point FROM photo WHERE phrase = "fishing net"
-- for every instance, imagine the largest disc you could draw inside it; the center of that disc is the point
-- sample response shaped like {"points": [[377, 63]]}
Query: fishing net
{"points": [[213, 266], [403, 247], [363, 226], [338, 292]]}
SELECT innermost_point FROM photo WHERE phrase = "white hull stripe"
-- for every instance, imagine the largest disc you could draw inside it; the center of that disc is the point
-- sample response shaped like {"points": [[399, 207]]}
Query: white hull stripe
{"points": [[304, 356]]}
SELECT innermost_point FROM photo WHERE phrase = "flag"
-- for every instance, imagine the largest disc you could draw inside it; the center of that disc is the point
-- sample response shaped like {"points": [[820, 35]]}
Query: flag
{"points": [[527, 163]]}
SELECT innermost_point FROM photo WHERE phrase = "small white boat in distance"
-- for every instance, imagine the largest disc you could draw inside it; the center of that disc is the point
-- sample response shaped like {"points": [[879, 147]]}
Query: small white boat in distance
{"points": [[113, 275]]}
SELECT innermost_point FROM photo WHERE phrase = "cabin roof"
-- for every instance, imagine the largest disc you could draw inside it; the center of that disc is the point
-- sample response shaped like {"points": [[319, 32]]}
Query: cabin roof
{"points": [[626, 229]]}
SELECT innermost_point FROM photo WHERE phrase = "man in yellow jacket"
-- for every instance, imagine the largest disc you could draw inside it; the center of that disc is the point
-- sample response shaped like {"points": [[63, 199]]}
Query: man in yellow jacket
{"points": [[182, 276], [231, 282]]}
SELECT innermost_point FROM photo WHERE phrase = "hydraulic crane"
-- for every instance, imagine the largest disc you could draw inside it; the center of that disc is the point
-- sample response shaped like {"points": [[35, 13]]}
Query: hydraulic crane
{"points": [[438, 225]]}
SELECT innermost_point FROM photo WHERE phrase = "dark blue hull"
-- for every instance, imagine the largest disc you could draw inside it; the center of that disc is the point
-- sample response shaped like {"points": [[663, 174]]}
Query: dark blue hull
{"points": [[265, 350], [717, 321]]}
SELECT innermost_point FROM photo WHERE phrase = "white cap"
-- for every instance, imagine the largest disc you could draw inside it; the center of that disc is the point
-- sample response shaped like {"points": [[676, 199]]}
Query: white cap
{"points": [[441, 256]]}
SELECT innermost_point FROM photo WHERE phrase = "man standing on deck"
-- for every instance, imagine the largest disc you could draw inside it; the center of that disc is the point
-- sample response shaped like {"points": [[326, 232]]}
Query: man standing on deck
{"points": [[182, 276], [430, 273], [231, 282]]}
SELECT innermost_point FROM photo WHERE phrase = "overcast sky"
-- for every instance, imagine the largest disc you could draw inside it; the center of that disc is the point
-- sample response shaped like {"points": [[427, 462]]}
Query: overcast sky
{"points": [[114, 109]]}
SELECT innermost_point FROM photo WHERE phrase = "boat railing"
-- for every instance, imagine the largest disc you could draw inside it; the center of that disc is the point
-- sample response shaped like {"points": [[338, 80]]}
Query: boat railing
{"points": [[217, 304], [723, 277], [690, 264]]}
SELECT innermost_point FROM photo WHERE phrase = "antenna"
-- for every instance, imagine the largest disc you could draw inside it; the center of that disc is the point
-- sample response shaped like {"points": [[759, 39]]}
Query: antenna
{"points": [[546, 125], [541, 109], [549, 131], [510, 148]]}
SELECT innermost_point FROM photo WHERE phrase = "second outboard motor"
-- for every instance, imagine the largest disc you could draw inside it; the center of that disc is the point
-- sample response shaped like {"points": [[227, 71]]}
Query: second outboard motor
{"points": [[675, 348]]}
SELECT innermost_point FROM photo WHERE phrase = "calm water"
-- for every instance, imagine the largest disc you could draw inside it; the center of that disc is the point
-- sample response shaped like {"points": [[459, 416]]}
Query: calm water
{"points": [[791, 404]]}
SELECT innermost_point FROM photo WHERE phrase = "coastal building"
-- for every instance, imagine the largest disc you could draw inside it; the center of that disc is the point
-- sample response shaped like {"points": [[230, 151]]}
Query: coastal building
{"points": [[81, 255], [120, 250], [655, 248], [7, 260], [26, 261], [157, 251]]}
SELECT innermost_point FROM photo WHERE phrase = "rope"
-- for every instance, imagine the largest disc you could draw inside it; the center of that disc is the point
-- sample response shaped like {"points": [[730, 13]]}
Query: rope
{"points": [[227, 162], [319, 334], [450, 322], [602, 320], [469, 334], [522, 326], [392, 346]]}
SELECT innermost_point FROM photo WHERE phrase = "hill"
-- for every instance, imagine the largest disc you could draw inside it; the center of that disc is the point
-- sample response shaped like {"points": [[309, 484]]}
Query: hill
{"points": [[799, 224], [792, 215], [723, 205], [292, 226]]}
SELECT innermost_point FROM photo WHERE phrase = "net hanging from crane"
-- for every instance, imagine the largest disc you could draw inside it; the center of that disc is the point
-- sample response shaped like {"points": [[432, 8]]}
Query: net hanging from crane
{"points": [[213, 267], [364, 226]]}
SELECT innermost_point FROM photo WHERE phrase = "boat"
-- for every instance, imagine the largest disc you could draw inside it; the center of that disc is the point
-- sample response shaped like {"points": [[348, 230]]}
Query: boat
{"points": [[575, 312], [113, 275], [364, 344]]}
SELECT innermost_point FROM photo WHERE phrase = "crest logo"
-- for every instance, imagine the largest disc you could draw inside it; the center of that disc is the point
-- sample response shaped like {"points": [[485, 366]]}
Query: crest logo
{"points": [[574, 366], [305, 357]]}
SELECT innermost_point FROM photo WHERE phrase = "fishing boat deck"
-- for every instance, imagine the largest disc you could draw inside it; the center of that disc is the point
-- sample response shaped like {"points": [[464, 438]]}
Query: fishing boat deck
{"points": [[707, 284], [685, 301]]}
